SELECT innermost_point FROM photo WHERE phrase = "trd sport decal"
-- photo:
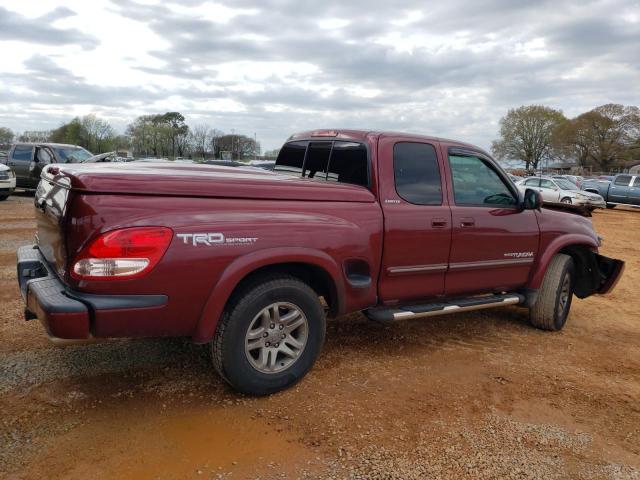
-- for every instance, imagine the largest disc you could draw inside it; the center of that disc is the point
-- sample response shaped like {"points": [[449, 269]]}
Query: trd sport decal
{"points": [[211, 239]]}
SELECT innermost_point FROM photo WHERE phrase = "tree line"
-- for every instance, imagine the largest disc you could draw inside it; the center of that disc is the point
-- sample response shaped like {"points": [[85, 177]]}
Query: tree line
{"points": [[604, 138], [158, 135]]}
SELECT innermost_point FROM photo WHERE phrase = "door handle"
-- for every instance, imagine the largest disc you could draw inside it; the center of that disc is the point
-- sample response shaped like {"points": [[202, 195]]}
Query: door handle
{"points": [[467, 222], [438, 222]]}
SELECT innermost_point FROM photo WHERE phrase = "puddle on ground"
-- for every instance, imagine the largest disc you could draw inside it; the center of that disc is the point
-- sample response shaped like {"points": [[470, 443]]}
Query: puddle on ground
{"points": [[205, 443]]}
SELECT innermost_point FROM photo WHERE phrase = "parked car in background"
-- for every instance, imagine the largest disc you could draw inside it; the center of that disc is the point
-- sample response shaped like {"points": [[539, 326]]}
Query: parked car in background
{"points": [[151, 160], [224, 163], [7, 182], [27, 160], [561, 190], [624, 189], [264, 164], [575, 179]]}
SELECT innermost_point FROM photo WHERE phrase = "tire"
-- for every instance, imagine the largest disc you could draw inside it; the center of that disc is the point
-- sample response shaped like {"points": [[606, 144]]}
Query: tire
{"points": [[249, 315], [566, 200], [610, 205], [552, 306], [3, 197]]}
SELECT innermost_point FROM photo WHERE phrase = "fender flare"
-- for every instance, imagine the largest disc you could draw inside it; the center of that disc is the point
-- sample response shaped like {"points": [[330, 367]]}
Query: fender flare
{"points": [[244, 265], [554, 247]]}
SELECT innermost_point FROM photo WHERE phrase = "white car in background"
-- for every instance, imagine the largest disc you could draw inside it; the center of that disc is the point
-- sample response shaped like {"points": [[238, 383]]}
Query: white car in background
{"points": [[7, 182], [561, 190]]}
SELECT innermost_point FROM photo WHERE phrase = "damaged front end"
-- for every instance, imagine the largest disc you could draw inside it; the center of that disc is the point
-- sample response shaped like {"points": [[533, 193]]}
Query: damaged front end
{"points": [[596, 274]]}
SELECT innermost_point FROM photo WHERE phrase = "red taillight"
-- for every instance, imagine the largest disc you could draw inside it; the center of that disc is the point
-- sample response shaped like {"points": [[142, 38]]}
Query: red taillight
{"points": [[124, 253]]}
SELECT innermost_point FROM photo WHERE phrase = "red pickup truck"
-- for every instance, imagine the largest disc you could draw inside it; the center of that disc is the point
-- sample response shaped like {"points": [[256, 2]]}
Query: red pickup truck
{"points": [[251, 261]]}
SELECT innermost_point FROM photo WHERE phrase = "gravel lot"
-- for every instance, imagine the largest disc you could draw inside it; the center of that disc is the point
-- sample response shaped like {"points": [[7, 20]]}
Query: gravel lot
{"points": [[477, 395]]}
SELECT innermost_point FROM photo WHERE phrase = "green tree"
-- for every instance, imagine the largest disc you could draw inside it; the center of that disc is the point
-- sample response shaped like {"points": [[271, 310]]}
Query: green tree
{"points": [[178, 131], [604, 137], [526, 134], [160, 135]]}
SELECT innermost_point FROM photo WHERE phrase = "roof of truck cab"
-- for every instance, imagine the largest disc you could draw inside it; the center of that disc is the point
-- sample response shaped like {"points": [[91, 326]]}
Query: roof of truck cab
{"points": [[361, 135]]}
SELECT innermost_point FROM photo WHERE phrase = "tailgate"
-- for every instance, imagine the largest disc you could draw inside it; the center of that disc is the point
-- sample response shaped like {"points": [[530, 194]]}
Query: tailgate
{"points": [[51, 207]]}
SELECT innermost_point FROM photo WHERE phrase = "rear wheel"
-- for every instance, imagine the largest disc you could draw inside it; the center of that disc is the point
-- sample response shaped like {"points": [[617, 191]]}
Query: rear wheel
{"points": [[552, 306], [610, 205], [269, 336], [3, 197]]}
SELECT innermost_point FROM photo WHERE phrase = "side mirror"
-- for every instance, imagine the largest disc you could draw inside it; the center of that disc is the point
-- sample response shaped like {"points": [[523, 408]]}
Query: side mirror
{"points": [[532, 200]]}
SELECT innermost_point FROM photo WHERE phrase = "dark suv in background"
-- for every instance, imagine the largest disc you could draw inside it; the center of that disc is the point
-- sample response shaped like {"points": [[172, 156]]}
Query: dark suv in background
{"points": [[27, 159]]}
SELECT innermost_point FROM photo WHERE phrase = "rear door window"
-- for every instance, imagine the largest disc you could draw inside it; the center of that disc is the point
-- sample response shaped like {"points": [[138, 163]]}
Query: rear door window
{"points": [[416, 172], [333, 161], [22, 153]]}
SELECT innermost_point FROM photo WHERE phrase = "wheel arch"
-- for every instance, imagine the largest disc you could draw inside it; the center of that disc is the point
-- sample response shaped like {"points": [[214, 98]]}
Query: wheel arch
{"points": [[580, 247], [316, 268]]}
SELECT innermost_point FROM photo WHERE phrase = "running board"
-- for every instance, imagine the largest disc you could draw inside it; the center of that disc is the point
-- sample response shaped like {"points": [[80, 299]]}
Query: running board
{"points": [[381, 314]]}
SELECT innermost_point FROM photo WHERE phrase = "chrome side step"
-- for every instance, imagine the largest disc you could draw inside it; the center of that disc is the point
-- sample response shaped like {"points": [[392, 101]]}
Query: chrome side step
{"points": [[382, 314]]}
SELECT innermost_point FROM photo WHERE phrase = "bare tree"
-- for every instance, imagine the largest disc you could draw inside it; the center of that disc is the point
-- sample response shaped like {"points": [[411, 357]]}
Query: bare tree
{"points": [[201, 136], [526, 134]]}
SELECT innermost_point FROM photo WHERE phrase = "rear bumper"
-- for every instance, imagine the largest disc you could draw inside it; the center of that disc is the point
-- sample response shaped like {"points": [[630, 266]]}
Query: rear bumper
{"points": [[65, 313]]}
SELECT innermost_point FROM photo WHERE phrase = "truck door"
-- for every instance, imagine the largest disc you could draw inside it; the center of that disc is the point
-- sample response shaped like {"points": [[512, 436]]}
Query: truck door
{"points": [[417, 220], [619, 189], [494, 242], [19, 160], [634, 191]]}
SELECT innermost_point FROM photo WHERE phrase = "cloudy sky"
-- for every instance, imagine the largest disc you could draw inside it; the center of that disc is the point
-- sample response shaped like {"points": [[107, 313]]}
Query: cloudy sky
{"points": [[273, 67]]}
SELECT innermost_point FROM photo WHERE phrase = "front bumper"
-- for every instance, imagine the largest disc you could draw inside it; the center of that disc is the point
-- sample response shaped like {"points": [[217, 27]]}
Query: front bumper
{"points": [[610, 271], [7, 186], [587, 202], [66, 313]]}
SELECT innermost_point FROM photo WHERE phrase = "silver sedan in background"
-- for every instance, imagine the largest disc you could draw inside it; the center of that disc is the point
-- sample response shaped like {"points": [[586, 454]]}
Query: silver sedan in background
{"points": [[561, 190]]}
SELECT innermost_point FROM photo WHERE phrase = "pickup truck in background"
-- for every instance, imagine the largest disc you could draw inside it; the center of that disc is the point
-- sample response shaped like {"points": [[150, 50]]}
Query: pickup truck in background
{"points": [[623, 189], [251, 261]]}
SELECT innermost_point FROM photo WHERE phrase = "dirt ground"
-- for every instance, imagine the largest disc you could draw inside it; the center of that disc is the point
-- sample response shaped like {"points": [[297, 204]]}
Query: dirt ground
{"points": [[476, 395]]}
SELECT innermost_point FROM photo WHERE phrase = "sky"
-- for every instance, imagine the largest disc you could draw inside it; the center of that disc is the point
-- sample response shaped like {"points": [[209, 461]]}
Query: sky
{"points": [[274, 67]]}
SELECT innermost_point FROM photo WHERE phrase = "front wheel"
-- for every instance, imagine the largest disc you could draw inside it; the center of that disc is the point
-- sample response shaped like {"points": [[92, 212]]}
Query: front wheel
{"points": [[566, 200], [610, 205], [269, 336], [551, 308], [3, 197]]}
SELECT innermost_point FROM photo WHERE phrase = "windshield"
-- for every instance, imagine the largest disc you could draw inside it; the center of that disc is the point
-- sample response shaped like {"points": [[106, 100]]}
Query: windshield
{"points": [[565, 184], [72, 155]]}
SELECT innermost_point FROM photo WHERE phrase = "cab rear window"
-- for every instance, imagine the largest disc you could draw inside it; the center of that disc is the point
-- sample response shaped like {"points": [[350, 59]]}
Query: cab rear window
{"points": [[330, 161]]}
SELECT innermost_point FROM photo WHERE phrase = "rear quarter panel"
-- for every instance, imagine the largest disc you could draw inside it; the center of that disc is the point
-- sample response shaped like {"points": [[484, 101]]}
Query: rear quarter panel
{"points": [[285, 231]]}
